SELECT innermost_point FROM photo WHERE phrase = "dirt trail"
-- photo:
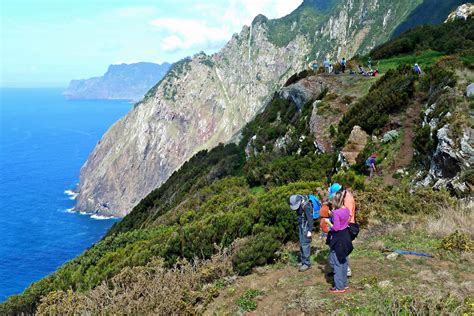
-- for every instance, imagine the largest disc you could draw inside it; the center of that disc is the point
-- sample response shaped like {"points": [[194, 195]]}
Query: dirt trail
{"points": [[405, 154], [285, 291]]}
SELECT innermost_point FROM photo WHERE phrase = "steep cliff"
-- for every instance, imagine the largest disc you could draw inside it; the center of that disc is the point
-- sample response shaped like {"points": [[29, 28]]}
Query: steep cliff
{"points": [[205, 100], [124, 82]]}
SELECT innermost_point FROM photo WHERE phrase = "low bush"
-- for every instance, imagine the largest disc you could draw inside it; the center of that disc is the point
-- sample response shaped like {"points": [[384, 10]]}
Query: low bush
{"points": [[185, 288], [459, 242]]}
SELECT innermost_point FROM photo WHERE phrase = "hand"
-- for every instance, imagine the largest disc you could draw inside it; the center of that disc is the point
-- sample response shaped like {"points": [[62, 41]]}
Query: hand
{"points": [[308, 235]]}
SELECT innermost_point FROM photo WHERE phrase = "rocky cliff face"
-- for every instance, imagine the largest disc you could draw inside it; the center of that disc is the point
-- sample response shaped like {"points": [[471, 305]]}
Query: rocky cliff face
{"points": [[452, 160], [124, 82], [205, 100]]}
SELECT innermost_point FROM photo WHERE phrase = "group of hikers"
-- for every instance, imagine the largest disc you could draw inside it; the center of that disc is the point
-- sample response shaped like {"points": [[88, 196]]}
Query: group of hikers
{"points": [[328, 67], [337, 224], [369, 72]]}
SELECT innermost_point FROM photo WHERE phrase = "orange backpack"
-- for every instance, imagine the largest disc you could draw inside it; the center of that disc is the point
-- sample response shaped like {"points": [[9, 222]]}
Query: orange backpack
{"points": [[324, 213]]}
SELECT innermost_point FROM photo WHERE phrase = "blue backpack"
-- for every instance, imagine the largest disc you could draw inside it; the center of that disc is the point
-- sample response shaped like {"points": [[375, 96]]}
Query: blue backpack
{"points": [[369, 161], [316, 205]]}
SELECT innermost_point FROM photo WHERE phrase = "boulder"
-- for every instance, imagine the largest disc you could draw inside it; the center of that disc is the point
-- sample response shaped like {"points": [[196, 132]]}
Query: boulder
{"points": [[303, 91], [355, 144], [470, 90]]}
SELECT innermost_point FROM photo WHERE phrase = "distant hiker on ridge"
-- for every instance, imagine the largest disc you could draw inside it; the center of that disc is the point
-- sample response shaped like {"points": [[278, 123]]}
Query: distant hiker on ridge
{"points": [[343, 64], [327, 66], [314, 65], [304, 209], [417, 69]]}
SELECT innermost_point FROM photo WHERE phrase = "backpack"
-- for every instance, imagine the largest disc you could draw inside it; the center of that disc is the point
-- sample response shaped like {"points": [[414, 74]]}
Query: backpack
{"points": [[368, 162], [354, 230], [316, 205]]}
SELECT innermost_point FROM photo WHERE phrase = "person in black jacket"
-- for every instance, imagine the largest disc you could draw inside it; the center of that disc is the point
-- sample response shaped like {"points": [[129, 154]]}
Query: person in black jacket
{"points": [[304, 210]]}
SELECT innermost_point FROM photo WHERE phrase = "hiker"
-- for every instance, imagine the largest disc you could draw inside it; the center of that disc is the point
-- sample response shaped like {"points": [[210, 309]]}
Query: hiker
{"points": [[340, 243], [343, 65], [314, 65], [349, 203], [304, 209], [327, 66], [361, 70], [370, 164], [417, 69]]}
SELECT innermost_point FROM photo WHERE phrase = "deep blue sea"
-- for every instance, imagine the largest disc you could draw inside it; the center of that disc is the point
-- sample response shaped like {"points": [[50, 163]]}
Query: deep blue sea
{"points": [[44, 140]]}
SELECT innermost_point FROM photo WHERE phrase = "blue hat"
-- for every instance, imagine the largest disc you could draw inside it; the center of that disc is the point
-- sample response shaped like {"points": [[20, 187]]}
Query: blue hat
{"points": [[335, 187], [295, 202]]}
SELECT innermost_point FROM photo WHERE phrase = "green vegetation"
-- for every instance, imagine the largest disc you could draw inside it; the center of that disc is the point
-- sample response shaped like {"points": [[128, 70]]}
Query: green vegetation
{"points": [[448, 38], [301, 21], [246, 301]]}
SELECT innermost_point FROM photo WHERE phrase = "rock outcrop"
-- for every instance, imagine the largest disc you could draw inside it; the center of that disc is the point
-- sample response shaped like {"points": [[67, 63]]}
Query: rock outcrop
{"points": [[452, 161], [120, 82], [355, 144], [463, 12], [205, 100]]}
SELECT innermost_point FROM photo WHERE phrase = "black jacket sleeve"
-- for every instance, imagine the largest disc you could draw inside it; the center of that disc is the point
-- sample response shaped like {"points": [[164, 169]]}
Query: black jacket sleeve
{"points": [[308, 212]]}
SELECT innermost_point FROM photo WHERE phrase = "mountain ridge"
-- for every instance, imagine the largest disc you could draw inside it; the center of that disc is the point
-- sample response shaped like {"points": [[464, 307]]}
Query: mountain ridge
{"points": [[205, 100], [120, 81]]}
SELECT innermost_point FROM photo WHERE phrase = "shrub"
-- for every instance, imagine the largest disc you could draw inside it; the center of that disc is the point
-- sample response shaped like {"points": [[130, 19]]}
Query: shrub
{"points": [[349, 179], [390, 136], [457, 241], [255, 250], [447, 38], [148, 289]]}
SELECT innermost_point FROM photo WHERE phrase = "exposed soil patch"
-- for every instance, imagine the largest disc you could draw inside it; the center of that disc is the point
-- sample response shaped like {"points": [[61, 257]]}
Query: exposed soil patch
{"points": [[405, 154]]}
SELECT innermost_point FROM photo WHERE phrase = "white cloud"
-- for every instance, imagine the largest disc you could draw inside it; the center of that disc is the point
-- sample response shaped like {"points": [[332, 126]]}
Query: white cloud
{"points": [[189, 33], [216, 23]]}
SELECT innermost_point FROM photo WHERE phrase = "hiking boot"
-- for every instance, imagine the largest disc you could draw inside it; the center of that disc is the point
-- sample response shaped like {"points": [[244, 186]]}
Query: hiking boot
{"points": [[336, 291], [304, 268]]}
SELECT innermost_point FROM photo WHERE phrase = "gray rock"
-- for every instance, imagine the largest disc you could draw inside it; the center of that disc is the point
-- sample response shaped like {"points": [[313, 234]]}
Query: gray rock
{"points": [[463, 12], [392, 256], [470, 90]]}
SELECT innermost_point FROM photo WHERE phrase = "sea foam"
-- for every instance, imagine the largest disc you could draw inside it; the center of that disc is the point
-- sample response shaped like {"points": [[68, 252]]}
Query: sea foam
{"points": [[72, 195], [101, 217]]}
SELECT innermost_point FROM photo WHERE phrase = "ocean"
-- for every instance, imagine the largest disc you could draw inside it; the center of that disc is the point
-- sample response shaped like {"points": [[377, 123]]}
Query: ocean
{"points": [[44, 141]]}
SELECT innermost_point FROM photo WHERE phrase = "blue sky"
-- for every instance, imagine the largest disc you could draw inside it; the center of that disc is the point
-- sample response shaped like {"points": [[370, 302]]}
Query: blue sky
{"points": [[47, 43]]}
